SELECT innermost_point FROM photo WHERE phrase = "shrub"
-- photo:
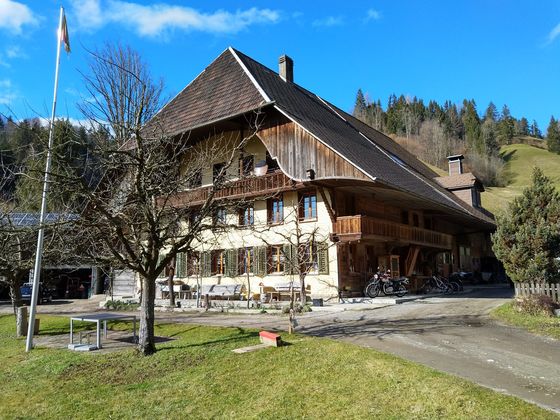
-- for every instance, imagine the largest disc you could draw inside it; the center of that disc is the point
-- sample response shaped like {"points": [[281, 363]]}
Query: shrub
{"points": [[120, 305], [536, 305]]}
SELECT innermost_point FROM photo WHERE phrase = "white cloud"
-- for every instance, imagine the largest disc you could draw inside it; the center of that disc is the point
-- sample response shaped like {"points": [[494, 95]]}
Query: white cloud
{"points": [[158, 19], [553, 34], [7, 94], [87, 13], [329, 21], [15, 51], [14, 15], [373, 14]]}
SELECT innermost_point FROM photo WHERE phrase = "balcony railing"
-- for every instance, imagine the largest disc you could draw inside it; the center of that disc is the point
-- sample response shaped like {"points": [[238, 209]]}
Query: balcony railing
{"points": [[350, 228], [243, 188]]}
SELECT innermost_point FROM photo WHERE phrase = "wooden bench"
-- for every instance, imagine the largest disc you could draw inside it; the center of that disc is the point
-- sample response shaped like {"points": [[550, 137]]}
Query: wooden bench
{"points": [[286, 290], [222, 291], [182, 291]]}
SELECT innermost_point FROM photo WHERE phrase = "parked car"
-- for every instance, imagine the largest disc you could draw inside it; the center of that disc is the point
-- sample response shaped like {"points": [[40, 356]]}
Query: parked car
{"points": [[45, 293]]}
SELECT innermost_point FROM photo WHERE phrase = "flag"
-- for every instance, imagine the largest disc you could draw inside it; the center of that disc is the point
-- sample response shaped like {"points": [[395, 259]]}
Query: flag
{"points": [[64, 37]]}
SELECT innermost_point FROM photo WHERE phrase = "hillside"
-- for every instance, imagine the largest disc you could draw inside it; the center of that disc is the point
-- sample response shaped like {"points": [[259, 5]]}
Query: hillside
{"points": [[521, 158]]}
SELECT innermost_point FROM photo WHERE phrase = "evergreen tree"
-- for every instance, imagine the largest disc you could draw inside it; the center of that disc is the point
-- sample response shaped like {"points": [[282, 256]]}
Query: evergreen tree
{"points": [[553, 136], [527, 238], [491, 112], [490, 138], [360, 106], [471, 121], [505, 126], [535, 130], [522, 127]]}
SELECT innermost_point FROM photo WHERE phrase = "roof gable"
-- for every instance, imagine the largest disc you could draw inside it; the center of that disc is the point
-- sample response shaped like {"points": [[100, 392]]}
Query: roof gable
{"points": [[223, 89]]}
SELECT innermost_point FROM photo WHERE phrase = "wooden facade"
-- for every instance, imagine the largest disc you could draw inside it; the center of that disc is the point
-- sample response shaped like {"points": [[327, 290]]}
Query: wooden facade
{"points": [[297, 151]]}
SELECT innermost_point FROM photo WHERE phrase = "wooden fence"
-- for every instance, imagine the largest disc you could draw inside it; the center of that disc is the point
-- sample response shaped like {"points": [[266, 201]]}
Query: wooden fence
{"points": [[532, 288]]}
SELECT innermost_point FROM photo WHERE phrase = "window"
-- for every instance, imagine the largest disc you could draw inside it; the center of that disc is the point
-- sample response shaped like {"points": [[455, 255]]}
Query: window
{"points": [[247, 216], [218, 262], [194, 216], [246, 166], [309, 257], [308, 206], [404, 217], [218, 170], [276, 259], [220, 216], [275, 210], [246, 260], [194, 178]]}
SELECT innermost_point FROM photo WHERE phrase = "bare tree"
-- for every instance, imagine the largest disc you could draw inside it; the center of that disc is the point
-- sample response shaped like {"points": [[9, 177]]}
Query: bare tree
{"points": [[140, 213]]}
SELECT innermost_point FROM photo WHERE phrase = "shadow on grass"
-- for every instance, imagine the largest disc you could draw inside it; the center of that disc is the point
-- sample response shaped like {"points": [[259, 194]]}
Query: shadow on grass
{"points": [[243, 335]]}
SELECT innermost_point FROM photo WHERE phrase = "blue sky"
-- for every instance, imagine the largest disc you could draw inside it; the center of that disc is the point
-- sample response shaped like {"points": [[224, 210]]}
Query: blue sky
{"points": [[504, 51]]}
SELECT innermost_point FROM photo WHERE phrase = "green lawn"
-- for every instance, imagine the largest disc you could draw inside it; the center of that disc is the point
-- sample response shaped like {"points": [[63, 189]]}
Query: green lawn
{"points": [[197, 375], [521, 158], [542, 325]]}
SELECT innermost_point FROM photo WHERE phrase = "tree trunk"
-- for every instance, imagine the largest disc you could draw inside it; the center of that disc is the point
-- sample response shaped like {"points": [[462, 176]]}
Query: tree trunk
{"points": [[146, 342], [302, 294], [15, 292], [170, 277]]}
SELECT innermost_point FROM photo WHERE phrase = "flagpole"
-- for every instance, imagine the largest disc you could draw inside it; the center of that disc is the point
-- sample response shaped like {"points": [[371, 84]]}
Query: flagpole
{"points": [[39, 253]]}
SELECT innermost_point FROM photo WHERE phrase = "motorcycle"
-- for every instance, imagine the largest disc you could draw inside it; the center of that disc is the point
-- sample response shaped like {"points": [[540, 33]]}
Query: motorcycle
{"points": [[382, 281], [395, 287]]}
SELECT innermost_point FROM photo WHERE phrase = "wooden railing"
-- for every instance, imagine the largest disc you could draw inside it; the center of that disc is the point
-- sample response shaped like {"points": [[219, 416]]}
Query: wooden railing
{"points": [[533, 288], [242, 188], [360, 227]]}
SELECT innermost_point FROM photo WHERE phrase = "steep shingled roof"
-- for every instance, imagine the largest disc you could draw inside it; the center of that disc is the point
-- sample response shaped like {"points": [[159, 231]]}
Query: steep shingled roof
{"points": [[223, 89], [235, 83], [386, 161]]}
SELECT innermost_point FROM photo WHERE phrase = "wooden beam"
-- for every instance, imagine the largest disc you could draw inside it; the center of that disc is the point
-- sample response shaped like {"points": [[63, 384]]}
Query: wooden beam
{"points": [[411, 258], [327, 204]]}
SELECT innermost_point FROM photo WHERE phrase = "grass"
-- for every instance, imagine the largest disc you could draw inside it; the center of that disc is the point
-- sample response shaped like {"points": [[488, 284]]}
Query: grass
{"points": [[521, 158], [541, 325], [197, 376]]}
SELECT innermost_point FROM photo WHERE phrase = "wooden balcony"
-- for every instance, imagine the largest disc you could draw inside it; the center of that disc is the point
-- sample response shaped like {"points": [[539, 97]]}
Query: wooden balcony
{"points": [[254, 186], [355, 228]]}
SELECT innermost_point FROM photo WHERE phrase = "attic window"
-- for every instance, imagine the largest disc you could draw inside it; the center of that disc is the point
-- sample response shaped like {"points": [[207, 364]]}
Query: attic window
{"points": [[397, 160]]}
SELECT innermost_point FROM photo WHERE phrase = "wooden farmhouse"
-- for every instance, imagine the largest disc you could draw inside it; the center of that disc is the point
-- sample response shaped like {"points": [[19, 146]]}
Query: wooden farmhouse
{"points": [[362, 200]]}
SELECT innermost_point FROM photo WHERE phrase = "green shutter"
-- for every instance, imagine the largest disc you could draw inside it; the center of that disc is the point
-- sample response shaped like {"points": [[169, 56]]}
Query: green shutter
{"points": [[160, 257], [260, 261], [180, 265], [323, 258], [290, 259], [206, 264], [231, 262]]}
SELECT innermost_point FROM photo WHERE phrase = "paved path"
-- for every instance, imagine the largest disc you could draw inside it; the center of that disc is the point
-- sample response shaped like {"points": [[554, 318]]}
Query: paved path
{"points": [[452, 334]]}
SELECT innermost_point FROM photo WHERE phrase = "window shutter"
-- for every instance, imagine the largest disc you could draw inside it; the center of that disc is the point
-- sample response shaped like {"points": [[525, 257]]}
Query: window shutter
{"points": [[323, 258], [180, 265], [206, 264], [231, 262], [290, 259], [160, 257], [260, 261]]}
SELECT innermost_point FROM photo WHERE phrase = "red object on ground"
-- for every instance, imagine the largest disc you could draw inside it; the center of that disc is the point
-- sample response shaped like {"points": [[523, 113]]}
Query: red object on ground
{"points": [[270, 339]]}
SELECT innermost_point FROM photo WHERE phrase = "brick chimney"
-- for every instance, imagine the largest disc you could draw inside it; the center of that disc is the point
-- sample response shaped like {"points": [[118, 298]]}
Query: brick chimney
{"points": [[455, 164], [286, 68]]}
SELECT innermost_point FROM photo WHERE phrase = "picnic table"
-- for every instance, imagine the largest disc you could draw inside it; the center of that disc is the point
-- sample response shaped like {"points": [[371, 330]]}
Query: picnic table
{"points": [[97, 318]]}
